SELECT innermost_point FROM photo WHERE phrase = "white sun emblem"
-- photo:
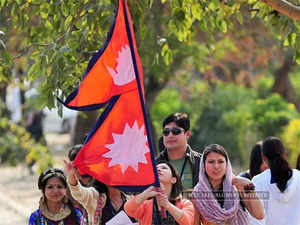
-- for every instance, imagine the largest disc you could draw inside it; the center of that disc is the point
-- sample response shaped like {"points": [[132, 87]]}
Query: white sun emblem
{"points": [[124, 72], [129, 148]]}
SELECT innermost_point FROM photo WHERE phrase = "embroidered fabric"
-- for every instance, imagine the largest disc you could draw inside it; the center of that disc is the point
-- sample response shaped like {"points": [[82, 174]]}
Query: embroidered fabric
{"points": [[98, 211], [44, 222], [64, 212]]}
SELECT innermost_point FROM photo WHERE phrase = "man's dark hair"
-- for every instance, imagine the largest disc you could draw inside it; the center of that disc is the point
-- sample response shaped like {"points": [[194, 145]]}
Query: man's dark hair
{"points": [[74, 151], [180, 119]]}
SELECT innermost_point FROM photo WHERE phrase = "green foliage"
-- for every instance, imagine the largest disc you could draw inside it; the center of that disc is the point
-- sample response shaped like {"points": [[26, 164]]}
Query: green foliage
{"points": [[287, 30], [295, 79], [166, 103], [59, 37], [218, 122], [291, 139], [17, 146], [171, 100], [272, 114], [231, 115], [199, 95], [258, 118], [264, 86], [236, 117]]}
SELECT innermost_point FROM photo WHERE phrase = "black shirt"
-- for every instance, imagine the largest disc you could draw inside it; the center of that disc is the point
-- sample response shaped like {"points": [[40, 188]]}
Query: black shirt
{"points": [[109, 212]]}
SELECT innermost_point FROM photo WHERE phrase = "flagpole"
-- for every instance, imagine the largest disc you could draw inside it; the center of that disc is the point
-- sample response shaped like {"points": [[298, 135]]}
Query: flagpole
{"points": [[130, 40], [158, 219]]}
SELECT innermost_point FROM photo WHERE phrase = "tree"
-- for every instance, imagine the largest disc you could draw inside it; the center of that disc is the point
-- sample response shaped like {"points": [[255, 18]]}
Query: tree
{"points": [[285, 7], [58, 37]]}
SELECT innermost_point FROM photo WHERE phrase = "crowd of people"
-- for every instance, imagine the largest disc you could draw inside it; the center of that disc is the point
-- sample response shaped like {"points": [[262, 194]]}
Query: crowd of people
{"points": [[194, 188]]}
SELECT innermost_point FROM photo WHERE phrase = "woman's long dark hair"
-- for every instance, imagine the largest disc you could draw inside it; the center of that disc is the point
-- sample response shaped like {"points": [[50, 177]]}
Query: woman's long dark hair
{"points": [[99, 186], [73, 212], [255, 160], [177, 188], [54, 172], [216, 148], [274, 150], [298, 163]]}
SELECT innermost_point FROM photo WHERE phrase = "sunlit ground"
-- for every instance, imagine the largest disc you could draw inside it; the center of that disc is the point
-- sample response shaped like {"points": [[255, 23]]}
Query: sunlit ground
{"points": [[19, 194]]}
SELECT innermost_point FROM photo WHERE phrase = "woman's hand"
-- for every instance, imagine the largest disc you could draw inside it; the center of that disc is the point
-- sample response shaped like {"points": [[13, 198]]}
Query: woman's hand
{"points": [[249, 197], [240, 183], [70, 171], [162, 198], [148, 193]]}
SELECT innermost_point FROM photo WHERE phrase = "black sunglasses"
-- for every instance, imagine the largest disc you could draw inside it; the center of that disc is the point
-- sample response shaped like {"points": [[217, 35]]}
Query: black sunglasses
{"points": [[174, 130]]}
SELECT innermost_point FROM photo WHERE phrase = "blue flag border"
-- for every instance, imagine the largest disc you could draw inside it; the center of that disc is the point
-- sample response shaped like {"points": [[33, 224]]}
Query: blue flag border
{"points": [[91, 63], [114, 99]]}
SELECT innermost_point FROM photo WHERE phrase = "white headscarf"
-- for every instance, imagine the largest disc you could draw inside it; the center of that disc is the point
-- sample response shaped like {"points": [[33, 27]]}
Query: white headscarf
{"points": [[209, 207]]}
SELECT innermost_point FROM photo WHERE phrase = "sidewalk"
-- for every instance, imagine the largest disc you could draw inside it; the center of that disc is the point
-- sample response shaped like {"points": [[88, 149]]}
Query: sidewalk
{"points": [[19, 193]]}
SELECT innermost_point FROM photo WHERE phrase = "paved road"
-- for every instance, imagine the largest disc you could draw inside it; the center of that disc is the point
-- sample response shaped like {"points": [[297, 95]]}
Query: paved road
{"points": [[19, 194], [10, 217], [18, 197]]}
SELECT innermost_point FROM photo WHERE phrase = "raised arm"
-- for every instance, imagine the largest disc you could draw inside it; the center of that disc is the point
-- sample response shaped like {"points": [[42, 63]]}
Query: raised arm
{"points": [[249, 197], [86, 196], [135, 206], [183, 212]]}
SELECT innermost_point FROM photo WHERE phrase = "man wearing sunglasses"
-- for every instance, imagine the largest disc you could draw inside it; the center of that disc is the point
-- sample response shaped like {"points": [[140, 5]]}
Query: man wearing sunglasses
{"points": [[176, 132]]}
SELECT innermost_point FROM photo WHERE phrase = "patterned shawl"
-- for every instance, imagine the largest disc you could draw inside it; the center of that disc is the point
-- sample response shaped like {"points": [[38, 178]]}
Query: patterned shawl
{"points": [[210, 208]]}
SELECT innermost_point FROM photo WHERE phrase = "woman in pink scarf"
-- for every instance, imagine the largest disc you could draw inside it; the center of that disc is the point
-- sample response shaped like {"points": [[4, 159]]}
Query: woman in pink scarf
{"points": [[220, 197]]}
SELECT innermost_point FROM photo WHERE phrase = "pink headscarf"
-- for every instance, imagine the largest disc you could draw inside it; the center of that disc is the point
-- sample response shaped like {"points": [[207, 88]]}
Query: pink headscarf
{"points": [[209, 207]]}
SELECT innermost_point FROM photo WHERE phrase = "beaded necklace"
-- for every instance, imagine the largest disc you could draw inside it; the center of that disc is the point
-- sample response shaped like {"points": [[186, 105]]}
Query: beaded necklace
{"points": [[44, 222], [98, 210]]}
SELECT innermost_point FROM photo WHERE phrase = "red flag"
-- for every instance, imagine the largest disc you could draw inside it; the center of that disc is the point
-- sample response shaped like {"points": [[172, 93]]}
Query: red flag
{"points": [[111, 70], [118, 151]]}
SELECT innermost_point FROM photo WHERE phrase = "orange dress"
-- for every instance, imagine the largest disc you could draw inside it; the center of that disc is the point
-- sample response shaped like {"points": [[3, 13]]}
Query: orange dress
{"points": [[200, 220], [143, 212]]}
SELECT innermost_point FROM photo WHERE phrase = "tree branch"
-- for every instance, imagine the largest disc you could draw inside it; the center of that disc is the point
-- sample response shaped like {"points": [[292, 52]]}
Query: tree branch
{"points": [[285, 7], [25, 50]]}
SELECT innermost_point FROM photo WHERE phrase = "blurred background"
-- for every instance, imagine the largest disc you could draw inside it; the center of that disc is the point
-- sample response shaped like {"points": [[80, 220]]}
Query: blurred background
{"points": [[233, 66]]}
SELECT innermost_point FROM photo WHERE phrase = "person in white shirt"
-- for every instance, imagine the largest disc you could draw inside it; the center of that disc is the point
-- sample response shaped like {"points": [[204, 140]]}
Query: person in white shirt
{"points": [[278, 187]]}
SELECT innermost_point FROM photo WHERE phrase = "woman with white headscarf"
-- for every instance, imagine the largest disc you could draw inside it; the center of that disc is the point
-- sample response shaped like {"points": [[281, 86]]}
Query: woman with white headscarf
{"points": [[219, 196]]}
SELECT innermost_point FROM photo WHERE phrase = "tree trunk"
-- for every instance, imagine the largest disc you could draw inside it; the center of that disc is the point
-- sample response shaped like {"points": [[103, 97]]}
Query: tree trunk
{"points": [[152, 89], [285, 7], [3, 86], [2, 92], [83, 125], [282, 84]]}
